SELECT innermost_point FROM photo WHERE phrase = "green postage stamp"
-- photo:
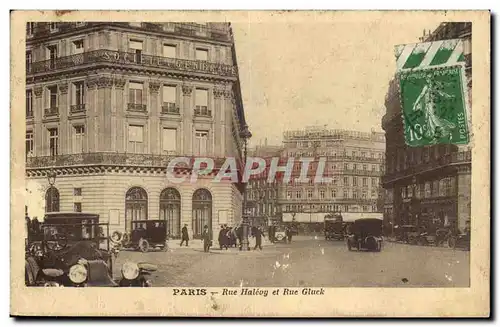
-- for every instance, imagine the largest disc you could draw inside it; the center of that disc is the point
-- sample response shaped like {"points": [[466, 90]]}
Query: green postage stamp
{"points": [[433, 98]]}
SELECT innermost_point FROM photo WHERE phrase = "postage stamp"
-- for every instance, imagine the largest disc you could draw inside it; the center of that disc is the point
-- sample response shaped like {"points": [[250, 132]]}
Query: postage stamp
{"points": [[249, 164], [434, 107]]}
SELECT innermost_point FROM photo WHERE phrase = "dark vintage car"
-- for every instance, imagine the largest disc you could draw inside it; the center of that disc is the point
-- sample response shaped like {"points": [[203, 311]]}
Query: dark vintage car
{"points": [[365, 233], [69, 249], [334, 227], [74, 249], [146, 235]]}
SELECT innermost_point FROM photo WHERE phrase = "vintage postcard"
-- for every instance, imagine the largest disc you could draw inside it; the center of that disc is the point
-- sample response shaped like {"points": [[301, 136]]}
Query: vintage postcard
{"points": [[250, 163]]}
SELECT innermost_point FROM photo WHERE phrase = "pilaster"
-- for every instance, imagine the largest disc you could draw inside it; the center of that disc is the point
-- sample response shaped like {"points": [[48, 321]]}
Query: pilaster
{"points": [[38, 116], [119, 83], [65, 128], [187, 112], [218, 121], [155, 133]]}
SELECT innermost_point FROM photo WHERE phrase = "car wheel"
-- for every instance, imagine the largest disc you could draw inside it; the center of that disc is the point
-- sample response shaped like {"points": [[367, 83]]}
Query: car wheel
{"points": [[143, 245]]}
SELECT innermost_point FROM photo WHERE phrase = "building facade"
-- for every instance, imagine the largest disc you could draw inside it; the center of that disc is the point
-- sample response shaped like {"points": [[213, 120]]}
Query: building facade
{"points": [[354, 161], [109, 104], [427, 186], [263, 197]]}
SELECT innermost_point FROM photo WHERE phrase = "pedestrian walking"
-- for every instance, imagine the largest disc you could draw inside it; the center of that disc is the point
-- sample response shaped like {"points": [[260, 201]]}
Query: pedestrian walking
{"points": [[258, 234], [288, 233], [223, 241], [185, 235], [207, 239]]}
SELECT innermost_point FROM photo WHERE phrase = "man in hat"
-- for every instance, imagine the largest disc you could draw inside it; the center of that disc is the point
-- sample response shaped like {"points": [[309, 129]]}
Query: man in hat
{"points": [[185, 235], [207, 239]]}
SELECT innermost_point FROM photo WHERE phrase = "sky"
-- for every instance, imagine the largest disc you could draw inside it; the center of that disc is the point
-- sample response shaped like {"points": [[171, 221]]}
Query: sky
{"points": [[297, 74]]}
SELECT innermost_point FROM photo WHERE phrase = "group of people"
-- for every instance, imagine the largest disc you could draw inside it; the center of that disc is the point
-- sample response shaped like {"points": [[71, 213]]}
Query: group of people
{"points": [[228, 237]]}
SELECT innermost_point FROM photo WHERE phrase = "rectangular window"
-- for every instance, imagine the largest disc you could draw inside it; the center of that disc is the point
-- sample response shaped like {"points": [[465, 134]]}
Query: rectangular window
{"points": [[374, 182], [365, 167], [169, 95], [346, 181], [373, 167], [334, 193], [77, 191], [77, 207], [77, 46], [365, 208], [53, 141], [354, 194], [30, 28], [202, 103], [365, 181], [202, 54], [364, 194], [289, 194], [52, 54], [363, 154], [135, 93], [78, 96], [53, 99], [322, 194], [30, 145], [346, 194], [355, 167], [354, 181], [136, 138], [346, 166], [309, 194], [201, 143], [29, 61], [29, 103], [136, 47], [169, 140], [298, 194], [78, 138], [169, 51]]}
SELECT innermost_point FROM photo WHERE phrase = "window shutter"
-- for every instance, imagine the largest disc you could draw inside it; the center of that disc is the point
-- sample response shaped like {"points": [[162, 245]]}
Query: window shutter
{"points": [[73, 94], [201, 97]]}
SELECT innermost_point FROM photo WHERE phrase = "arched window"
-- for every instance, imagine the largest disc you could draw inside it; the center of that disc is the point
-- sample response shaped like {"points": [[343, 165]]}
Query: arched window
{"points": [[136, 206], [170, 210], [202, 211], [52, 200]]}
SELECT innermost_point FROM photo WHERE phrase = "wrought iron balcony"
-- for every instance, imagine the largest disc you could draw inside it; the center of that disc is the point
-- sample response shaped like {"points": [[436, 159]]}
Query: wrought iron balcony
{"points": [[77, 108], [454, 158], [202, 111], [53, 111], [108, 158], [169, 108], [120, 58], [136, 107]]}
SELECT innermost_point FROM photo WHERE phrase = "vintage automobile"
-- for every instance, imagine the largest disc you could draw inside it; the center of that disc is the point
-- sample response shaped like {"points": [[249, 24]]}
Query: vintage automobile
{"points": [[408, 234], [438, 237], [73, 249], [280, 233], [365, 233], [334, 227], [145, 235], [69, 249]]}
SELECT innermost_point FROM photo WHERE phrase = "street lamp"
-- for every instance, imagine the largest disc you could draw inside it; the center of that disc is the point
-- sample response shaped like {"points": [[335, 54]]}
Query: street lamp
{"points": [[51, 176], [245, 135]]}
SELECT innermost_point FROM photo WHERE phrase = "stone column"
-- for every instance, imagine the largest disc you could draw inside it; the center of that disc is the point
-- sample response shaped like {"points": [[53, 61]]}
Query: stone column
{"points": [[104, 131], [65, 126], [154, 130], [90, 106], [38, 111], [463, 195], [226, 123], [218, 121], [187, 118], [118, 115]]}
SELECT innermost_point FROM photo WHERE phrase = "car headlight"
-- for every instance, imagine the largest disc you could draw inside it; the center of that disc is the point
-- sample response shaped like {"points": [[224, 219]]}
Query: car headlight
{"points": [[77, 274], [130, 270]]}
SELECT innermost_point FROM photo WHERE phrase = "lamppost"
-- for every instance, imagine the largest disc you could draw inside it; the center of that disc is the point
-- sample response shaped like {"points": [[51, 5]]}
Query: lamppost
{"points": [[51, 176], [245, 135]]}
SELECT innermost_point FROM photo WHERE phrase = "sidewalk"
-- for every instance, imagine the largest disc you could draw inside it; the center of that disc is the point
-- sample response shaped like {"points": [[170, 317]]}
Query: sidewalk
{"points": [[198, 245]]}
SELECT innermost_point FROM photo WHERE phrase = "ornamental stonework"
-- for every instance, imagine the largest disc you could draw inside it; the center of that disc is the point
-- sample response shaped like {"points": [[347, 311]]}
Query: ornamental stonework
{"points": [[218, 92], [187, 89], [104, 82], [38, 91], [63, 88], [120, 83], [154, 87]]}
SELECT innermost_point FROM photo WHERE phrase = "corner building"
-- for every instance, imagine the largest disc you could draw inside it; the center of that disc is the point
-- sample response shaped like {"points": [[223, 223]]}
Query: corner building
{"points": [[108, 105], [427, 186]]}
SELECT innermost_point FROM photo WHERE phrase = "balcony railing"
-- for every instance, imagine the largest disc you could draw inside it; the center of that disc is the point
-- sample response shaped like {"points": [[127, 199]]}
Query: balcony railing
{"points": [[77, 108], [107, 158], [202, 111], [463, 157], [136, 107], [54, 111], [169, 108], [127, 58]]}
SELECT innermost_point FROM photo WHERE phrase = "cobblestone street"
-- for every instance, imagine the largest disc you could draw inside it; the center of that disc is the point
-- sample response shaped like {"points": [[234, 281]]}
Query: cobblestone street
{"points": [[307, 261]]}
